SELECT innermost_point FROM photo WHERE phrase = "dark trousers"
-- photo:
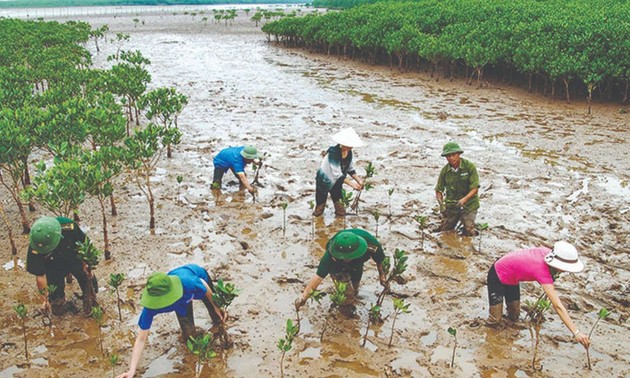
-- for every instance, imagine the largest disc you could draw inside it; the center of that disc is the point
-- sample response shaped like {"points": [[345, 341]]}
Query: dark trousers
{"points": [[321, 194], [497, 290], [57, 278]]}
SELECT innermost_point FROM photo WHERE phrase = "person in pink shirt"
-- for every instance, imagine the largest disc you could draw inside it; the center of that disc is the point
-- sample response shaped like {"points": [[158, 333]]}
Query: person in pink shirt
{"points": [[534, 264]]}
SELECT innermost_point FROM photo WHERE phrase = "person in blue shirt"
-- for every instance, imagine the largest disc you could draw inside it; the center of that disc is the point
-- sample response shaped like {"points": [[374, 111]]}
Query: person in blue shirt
{"points": [[234, 159], [173, 291]]}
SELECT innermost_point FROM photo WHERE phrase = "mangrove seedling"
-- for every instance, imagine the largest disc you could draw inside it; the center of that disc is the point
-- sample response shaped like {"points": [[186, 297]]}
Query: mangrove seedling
{"points": [[389, 193], [400, 307], [337, 299], [315, 296], [284, 205], [536, 315], [201, 347], [370, 171], [97, 315], [377, 215], [223, 296], [90, 255], [113, 361], [400, 265], [481, 227], [179, 179], [285, 344], [373, 316], [602, 314], [422, 224], [452, 331], [345, 197], [115, 280], [22, 313]]}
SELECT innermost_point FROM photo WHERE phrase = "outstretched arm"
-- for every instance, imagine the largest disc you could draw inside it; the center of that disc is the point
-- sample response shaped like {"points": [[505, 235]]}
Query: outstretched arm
{"points": [[312, 285], [138, 347], [217, 310], [564, 315], [243, 178]]}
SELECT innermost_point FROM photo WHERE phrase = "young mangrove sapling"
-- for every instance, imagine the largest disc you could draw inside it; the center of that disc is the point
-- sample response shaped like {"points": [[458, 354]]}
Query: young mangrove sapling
{"points": [[201, 347], [422, 224], [536, 315], [389, 193], [374, 316], [370, 171], [115, 280], [22, 313], [400, 307], [113, 361], [97, 315], [223, 296], [452, 331], [377, 215], [400, 265], [284, 205], [337, 298], [90, 255], [602, 314], [179, 179], [285, 344]]}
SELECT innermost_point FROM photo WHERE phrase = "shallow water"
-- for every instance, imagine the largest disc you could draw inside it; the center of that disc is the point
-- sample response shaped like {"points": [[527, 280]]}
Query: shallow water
{"points": [[545, 171]]}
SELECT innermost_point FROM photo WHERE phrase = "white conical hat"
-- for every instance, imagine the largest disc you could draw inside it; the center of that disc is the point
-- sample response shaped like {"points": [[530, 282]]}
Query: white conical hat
{"points": [[348, 137]]}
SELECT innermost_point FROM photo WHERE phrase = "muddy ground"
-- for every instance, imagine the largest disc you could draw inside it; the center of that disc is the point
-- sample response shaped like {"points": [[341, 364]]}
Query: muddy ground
{"points": [[548, 171]]}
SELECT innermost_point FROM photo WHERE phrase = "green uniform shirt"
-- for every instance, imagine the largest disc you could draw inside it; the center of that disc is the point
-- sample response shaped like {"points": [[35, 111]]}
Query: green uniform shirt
{"points": [[457, 184], [329, 264], [62, 257]]}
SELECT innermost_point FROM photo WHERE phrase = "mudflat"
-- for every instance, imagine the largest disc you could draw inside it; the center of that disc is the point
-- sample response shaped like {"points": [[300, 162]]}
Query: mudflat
{"points": [[548, 172]]}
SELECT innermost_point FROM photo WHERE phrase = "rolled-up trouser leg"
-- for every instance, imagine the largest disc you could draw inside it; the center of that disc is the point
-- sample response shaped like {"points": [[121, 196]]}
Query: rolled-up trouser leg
{"points": [[450, 218], [468, 220], [187, 322]]}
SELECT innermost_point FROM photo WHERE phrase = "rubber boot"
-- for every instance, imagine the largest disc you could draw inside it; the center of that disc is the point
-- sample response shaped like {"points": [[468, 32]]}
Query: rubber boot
{"points": [[496, 314], [340, 209], [319, 210], [187, 323], [58, 306], [514, 310]]}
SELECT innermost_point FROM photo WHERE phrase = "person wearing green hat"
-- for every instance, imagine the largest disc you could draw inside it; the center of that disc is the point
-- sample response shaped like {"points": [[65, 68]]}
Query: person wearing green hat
{"points": [[173, 292], [346, 252], [459, 183], [52, 255], [234, 159]]}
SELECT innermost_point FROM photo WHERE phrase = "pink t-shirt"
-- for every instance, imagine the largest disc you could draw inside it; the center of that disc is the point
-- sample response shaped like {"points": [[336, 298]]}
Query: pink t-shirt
{"points": [[524, 265]]}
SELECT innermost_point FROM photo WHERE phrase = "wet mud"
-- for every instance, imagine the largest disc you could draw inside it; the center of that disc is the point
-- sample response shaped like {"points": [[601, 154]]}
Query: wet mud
{"points": [[548, 171]]}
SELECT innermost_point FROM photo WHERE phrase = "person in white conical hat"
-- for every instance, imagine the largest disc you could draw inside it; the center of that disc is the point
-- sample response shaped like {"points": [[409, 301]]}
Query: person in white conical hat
{"points": [[333, 172], [542, 265]]}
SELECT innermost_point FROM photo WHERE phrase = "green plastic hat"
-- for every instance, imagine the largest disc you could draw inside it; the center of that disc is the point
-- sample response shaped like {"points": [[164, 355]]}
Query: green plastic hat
{"points": [[451, 148], [249, 152], [161, 291], [45, 235], [347, 246]]}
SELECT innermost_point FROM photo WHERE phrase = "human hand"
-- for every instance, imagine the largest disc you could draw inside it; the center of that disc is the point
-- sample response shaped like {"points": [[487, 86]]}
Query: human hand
{"points": [[128, 374], [582, 339], [461, 203], [252, 190], [299, 302]]}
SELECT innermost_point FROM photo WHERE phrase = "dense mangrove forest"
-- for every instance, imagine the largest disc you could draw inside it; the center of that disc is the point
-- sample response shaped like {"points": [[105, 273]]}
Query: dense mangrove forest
{"points": [[561, 49]]}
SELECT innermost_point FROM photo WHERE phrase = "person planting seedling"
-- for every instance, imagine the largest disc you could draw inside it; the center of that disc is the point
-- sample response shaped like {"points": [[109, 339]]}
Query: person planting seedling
{"points": [[234, 159], [456, 191], [174, 292], [542, 265], [52, 254], [346, 252], [333, 172]]}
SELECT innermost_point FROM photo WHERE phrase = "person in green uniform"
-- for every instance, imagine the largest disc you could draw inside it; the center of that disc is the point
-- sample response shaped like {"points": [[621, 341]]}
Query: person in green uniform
{"points": [[456, 191], [52, 254], [346, 252]]}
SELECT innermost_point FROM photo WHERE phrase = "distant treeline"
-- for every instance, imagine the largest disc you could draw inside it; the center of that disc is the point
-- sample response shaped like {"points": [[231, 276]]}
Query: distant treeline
{"points": [[573, 48], [84, 3], [342, 4]]}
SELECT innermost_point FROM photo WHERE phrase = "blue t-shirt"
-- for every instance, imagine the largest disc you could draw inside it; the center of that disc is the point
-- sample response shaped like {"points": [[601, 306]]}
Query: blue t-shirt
{"points": [[191, 276], [230, 158]]}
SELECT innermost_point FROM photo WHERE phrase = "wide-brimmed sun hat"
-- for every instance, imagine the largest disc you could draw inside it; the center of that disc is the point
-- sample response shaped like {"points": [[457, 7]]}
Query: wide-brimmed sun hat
{"points": [[451, 148], [161, 291], [564, 257], [347, 246], [45, 235], [348, 137], [249, 152]]}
